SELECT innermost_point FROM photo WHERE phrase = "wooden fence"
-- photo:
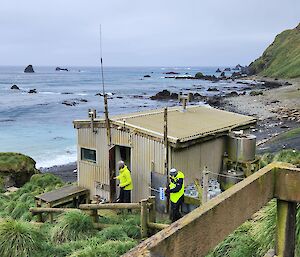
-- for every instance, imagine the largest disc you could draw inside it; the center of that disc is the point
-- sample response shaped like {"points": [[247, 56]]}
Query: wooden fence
{"points": [[147, 208]]}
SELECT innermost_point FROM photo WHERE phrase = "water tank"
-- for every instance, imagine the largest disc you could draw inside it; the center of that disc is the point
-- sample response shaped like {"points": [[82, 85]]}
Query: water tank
{"points": [[232, 177], [241, 147]]}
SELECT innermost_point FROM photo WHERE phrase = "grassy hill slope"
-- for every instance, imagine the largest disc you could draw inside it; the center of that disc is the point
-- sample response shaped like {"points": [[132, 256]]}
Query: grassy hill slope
{"points": [[282, 58]]}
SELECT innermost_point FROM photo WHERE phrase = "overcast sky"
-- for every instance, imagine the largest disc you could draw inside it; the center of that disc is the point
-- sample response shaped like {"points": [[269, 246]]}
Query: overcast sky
{"points": [[141, 33]]}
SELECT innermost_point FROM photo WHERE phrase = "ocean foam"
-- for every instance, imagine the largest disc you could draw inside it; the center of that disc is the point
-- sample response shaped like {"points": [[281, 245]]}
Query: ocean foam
{"points": [[58, 160]]}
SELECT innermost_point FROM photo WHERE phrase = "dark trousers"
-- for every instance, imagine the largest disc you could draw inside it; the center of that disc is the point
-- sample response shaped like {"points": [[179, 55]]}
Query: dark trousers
{"points": [[175, 209], [125, 196]]}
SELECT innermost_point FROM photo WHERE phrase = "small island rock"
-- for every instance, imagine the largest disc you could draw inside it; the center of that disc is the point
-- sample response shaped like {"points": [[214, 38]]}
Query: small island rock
{"points": [[32, 91], [15, 87], [29, 69]]}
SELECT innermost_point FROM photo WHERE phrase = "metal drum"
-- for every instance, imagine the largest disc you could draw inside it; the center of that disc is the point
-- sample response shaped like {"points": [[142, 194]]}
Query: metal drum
{"points": [[232, 177], [241, 147]]}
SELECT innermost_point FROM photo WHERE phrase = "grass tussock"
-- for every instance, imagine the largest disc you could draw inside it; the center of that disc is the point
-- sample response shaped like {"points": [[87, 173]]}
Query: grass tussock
{"points": [[16, 205], [19, 239], [72, 226]]}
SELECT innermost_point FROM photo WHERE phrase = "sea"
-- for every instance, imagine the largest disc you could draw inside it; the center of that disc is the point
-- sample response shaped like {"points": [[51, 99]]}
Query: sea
{"points": [[40, 125]]}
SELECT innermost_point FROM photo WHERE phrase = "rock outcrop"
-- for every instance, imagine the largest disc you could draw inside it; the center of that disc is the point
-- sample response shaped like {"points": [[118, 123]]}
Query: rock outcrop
{"points": [[16, 169], [61, 69], [15, 87], [32, 91], [29, 69]]}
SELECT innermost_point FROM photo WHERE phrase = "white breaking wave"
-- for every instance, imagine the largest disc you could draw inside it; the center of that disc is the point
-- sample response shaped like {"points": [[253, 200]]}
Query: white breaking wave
{"points": [[58, 160]]}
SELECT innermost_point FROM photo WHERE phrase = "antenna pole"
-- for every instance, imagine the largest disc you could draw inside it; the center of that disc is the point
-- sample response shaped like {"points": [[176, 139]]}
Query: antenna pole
{"points": [[103, 90], [107, 121]]}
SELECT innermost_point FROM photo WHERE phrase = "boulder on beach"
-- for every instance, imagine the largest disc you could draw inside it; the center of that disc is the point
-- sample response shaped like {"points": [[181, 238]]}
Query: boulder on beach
{"points": [[162, 95], [29, 69], [15, 87], [236, 75], [254, 93], [215, 101], [218, 70], [232, 94], [69, 103], [212, 89], [172, 72], [147, 76], [32, 91], [222, 75], [16, 169], [199, 75], [61, 69]]}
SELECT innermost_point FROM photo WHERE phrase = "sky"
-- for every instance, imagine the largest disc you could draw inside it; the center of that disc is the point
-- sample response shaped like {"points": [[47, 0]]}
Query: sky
{"points": [[141, 33]]}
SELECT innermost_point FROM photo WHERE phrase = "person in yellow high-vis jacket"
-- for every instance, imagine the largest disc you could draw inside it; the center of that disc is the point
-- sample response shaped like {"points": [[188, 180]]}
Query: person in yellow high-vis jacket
{"points": [[176, 191], [125, 183]]}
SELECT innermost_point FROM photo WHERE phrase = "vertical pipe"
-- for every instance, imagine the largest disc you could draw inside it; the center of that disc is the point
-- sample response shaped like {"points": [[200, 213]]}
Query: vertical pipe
{"points": [[205, 184], [166, 142], [166, 145], [286, 228]]}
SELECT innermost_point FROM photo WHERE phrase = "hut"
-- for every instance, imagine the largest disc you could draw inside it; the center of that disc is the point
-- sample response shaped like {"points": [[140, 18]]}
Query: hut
{"points": [[196, 138]]}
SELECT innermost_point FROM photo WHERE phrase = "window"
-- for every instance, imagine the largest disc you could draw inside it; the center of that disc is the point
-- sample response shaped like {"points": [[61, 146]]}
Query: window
{"points": [[88, 155]]}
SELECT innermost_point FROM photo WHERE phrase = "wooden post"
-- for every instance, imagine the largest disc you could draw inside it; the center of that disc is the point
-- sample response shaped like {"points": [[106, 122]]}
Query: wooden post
{"points": [[205, 185], [144, 218], [50, 215], [286, 228], [107, 122], [152, 210], [38, 203], [95, 216]]}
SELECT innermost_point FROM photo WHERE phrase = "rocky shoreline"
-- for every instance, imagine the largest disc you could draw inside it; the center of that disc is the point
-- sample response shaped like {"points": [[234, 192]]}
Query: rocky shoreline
{"points": [[275, 103]]}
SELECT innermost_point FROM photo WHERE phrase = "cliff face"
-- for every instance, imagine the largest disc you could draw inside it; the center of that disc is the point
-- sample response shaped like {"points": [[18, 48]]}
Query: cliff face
{"points": [[282, 58]]}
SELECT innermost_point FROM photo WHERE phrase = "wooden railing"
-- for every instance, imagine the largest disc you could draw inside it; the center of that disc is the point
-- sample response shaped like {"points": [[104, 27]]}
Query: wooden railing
{"points": [[201, 230], [146, 206]]}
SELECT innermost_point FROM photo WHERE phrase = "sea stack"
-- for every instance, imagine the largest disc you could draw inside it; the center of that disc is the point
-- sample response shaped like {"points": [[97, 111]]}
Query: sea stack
{"points": [[29, 69]]}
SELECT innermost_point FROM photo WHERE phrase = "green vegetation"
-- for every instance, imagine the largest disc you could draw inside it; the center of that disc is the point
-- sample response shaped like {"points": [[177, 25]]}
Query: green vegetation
{"points": [[72, 235], [16, 162], [290, 156], [255, 237], [199, 75], [16, 205], [19, 239], [72, 226], [282, 57]]}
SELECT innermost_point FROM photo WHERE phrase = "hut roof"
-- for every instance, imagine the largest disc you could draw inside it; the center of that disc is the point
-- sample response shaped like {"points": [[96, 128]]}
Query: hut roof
{"points": [[195, 122]]}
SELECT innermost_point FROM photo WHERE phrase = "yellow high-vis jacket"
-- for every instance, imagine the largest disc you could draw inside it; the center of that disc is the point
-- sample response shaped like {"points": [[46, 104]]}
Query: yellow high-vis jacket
{"points": [[125, 179]]}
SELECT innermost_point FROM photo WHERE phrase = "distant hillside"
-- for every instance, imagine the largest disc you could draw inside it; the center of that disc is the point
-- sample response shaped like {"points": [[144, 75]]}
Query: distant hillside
{"points": [[282, 58]]}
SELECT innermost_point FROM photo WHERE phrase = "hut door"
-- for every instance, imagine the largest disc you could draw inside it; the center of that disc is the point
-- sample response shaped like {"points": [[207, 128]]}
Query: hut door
{"points": [[112, 173]]}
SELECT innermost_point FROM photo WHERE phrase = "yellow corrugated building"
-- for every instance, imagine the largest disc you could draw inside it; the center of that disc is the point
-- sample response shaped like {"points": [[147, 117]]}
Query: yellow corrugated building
{"points": [[196, 138]]}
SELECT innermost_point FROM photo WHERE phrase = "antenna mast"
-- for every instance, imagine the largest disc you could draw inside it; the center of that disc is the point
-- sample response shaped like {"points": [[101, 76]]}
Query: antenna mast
{"points": [[103, 90], [107, 121]]}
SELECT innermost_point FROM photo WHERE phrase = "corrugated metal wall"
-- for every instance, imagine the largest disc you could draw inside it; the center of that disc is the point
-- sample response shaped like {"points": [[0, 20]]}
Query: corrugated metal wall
{"points": [[144, 151], [193, 159], [88, 172]]}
